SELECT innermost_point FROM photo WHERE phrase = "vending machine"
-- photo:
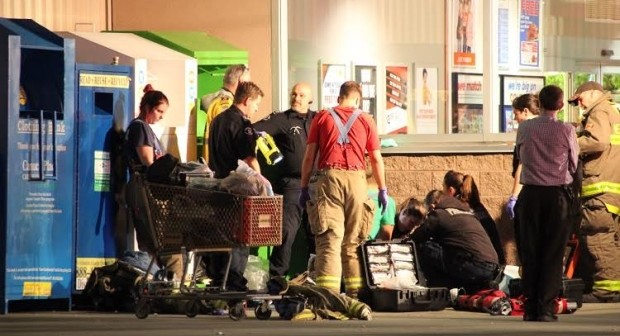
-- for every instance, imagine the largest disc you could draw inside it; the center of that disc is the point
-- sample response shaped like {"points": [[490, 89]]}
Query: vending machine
{"points": [[37, 165]]}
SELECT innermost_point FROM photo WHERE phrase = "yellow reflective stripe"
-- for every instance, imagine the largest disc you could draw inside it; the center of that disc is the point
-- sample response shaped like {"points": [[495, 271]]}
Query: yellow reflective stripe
{"points": [[607, 285], [328, 281], [599, 188], [613, 209], [305, 315], [356, 307], [353, 280], [614, 138], [354, 283]]}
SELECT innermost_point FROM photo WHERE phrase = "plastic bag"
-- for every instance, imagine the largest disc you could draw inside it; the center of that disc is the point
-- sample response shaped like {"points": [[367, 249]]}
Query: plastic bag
{"points": [[257, 274]]}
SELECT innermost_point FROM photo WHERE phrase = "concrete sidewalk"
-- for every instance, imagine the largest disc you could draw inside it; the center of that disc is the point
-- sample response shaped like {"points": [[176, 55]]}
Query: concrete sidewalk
{"points": [[591, 319]]}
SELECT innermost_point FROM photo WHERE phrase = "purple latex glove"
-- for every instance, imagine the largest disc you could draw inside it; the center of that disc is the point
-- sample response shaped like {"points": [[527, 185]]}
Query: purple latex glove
{"points": [[383, 200], [510, 207], [304, 197]]}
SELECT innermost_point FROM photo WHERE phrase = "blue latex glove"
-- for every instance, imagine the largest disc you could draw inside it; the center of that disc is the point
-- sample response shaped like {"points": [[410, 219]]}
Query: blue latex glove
{"points": [[383, 200], [510, 206], [304, 197]]}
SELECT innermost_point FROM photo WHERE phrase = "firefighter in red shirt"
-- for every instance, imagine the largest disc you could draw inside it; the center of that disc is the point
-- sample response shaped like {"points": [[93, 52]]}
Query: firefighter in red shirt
{"points": [[339, 211]]}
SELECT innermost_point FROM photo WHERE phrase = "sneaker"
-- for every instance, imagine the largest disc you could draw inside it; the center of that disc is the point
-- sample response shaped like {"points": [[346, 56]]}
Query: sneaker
{"points": [[454, 295], [215, 307], [219, 312]]}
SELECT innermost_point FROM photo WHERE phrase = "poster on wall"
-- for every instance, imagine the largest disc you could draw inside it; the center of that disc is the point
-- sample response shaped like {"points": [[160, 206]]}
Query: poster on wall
{"points": [[503, 33], [464, 23], [366, 76], [396, 99], [529, 43], [426, 101], [467, 103], [332, 77], [512, 87]]}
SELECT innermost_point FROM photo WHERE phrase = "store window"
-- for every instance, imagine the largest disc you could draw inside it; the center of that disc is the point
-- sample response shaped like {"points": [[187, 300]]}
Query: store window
{"points": [[447, 71]]}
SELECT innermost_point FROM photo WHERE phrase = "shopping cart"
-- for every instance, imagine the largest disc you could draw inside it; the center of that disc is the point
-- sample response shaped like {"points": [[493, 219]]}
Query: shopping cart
{"points": [[180, 219]]}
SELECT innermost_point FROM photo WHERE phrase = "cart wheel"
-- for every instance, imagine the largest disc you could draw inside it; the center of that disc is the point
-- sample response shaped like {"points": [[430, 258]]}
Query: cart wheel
{"points": [[143, 308], [262, 313], [237, 311], [191, 308]]}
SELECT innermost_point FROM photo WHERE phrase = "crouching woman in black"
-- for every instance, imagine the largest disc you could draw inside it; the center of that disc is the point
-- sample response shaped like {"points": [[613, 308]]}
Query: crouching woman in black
{"points": [[454, 249]]}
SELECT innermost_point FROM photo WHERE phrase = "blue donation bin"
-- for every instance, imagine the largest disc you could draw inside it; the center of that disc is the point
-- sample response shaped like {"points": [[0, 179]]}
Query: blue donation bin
{"points": [[104, 109], [37, 161]]}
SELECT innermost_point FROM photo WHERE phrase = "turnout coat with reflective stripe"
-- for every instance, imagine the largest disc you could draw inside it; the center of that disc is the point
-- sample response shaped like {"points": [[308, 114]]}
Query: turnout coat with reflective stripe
{"points": [[599, 144]]}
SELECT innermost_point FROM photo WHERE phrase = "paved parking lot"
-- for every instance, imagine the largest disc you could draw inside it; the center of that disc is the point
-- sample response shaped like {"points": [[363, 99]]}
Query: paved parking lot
{"points": [[592, 319]]}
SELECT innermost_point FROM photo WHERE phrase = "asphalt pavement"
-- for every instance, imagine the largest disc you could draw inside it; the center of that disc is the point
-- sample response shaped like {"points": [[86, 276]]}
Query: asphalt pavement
{"points": [[591, 319]]}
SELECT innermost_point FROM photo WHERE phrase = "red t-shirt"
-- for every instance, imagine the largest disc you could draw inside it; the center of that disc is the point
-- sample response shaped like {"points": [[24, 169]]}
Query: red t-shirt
{"points": [[362, 138]]}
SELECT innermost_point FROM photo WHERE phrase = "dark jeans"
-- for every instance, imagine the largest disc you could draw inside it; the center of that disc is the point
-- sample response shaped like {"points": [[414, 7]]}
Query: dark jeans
{"points": [[447, 267], [280, 258]]}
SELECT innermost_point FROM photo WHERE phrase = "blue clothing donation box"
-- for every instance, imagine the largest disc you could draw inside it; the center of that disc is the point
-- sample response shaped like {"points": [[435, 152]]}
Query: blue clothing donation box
{"points": [[37, 163], [104, 109]]}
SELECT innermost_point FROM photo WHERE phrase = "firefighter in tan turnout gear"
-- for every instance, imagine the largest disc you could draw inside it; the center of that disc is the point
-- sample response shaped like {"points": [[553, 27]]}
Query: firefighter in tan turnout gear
{"points": [[599, 144]]}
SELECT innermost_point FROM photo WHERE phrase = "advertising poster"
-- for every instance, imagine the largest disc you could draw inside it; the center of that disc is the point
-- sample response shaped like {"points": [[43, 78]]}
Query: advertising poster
{"points": [[511, 88], [503, 33], [529, 23], [464, 35], [366, 75], [509, 125], [332, 77], [426, 101], [396, 99], [467, 106]]}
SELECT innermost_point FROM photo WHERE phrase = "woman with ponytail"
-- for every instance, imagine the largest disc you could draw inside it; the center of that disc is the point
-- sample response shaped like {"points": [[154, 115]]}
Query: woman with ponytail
{"points": [[142, 148], [464, 188]]}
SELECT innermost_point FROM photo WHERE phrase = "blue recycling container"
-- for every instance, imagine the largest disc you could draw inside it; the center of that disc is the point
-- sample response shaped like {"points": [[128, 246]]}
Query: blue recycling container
{"points": [[37, 164], [104, 99]]}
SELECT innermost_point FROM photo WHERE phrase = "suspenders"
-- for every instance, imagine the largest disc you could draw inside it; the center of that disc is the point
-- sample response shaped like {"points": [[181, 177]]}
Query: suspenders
{"points": [[343, 138]]}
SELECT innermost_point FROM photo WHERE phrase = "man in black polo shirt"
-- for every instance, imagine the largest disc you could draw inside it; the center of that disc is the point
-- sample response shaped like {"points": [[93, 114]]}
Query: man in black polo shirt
{"points": [[232, 138], [290, 132]]}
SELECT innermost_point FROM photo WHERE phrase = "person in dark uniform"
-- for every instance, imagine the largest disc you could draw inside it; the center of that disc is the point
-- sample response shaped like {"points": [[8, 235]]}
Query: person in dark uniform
{"points": [[547, 149], [464, 188], [455, 250], [232, 138], [290, 132]]}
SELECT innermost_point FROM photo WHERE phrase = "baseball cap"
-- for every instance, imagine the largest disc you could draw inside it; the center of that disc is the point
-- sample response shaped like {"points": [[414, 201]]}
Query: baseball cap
{"points": [[587, 86]]}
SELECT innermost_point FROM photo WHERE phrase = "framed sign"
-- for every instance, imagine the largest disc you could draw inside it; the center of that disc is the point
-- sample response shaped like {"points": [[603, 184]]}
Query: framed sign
{"points": [[332, 75], [396, 99], [512, 87], [366, 76], [467, 102], [426, 101], [465, 34], [529, 25]]}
